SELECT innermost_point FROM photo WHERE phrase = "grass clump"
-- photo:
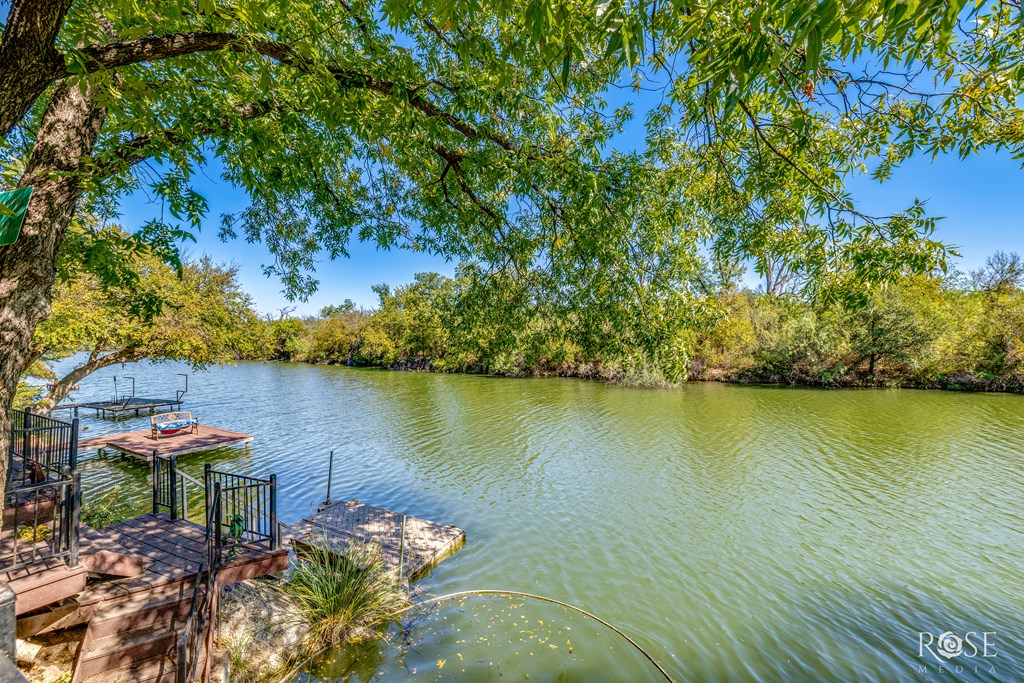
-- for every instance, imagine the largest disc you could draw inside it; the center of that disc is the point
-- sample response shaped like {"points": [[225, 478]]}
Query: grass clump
{"points": [[342, 595]]}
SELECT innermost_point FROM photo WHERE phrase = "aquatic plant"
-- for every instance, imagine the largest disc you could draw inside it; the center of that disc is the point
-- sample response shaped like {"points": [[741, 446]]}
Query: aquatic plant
{"points": [[106, 509], [342, 595]]}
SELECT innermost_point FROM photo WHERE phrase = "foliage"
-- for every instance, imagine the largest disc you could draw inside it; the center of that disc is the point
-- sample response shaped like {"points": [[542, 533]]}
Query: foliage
{"points": [[109, 507], [930, 331], [203, 317], [31, 533], [342, 594]]}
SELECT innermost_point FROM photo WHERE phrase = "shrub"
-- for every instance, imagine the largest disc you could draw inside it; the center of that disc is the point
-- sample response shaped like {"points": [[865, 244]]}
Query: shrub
{"points": [[341, 595]]}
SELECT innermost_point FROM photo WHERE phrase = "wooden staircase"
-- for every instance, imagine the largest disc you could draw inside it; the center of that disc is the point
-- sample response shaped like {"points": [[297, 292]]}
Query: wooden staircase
{"points": [[134, 638]]}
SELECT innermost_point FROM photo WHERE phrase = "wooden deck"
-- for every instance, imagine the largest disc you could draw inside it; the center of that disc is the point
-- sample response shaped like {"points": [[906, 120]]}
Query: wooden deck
{"points": [[343, 522], [118, 408], [141, 443], [143, 575]]}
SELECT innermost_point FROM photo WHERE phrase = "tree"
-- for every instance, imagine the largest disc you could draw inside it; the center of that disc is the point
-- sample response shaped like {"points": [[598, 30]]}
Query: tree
{"points": [[890, 328], [205, 318], [467, 129], [779, 103], [1002, 273], [418, 129]]}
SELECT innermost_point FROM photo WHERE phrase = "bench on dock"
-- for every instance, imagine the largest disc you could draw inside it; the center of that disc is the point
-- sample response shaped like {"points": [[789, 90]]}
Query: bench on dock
{"points": [[168, 424]]}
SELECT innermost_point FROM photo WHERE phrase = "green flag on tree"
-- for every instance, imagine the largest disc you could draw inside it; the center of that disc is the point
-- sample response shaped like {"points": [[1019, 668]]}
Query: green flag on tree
{"points": [[13, 205]]}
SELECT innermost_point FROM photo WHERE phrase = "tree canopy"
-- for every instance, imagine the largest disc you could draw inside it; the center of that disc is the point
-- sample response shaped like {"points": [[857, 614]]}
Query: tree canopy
{"points": [[483, 131]]}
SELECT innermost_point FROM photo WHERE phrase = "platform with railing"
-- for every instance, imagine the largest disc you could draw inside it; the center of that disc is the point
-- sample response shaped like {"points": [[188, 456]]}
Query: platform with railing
{"points": [[150, 603]]}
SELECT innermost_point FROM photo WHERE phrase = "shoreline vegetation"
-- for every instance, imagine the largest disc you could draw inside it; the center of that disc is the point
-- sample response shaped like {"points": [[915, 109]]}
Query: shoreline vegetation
{"points": [[950, 330]]}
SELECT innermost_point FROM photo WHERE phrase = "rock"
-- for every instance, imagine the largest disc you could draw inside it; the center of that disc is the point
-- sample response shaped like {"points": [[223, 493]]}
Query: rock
{"points": [[25, 653], [258, 627]]}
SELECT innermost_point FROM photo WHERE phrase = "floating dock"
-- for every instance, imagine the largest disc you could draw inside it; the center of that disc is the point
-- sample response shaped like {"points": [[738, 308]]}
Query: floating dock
{"points": [[135, 404], [141, 443], [339, 524]]}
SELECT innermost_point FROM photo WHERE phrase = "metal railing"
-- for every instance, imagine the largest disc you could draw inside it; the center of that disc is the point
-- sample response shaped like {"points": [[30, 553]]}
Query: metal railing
{"points": [[40, 447], [248, 510], [197, 628], [170, 487], [41, 522]]}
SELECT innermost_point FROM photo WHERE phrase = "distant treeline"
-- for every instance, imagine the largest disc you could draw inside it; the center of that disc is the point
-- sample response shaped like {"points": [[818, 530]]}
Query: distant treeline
{"points": [[949, 330]]}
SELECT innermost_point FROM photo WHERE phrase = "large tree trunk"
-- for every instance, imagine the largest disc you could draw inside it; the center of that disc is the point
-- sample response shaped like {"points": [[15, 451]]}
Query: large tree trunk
{"points": [[67, 133], [28, 59]]}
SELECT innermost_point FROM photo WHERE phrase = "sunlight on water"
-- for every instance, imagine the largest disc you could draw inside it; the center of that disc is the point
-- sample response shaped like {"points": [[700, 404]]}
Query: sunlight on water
{"points": [[738, 533]]}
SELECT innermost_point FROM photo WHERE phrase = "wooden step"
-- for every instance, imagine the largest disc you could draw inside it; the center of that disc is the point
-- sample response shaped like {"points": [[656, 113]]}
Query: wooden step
{"points": [[160, 669], [44, 583], [124, 648], [142, 611]]}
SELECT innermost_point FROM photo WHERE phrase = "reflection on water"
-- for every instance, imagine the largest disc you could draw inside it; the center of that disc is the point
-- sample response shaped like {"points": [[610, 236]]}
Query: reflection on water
{"points": [[740, 533]]}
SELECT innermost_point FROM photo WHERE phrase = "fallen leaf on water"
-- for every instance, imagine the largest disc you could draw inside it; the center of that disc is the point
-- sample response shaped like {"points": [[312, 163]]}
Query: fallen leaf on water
{"points": [[440, 664]]}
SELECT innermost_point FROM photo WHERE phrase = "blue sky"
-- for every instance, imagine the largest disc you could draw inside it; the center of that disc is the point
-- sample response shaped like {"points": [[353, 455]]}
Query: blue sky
{"points": [[978, 198]]}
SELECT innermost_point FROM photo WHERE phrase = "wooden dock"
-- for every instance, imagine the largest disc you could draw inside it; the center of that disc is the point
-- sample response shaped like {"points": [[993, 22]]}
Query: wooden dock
{"points": [[134, 610], [141, 443], [119, 408], [425, 543]]}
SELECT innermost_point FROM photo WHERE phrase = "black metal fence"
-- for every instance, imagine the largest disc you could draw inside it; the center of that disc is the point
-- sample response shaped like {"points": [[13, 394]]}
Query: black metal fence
{"points": [[41, 522], [166, 494], [248, 509], [41, 448]]}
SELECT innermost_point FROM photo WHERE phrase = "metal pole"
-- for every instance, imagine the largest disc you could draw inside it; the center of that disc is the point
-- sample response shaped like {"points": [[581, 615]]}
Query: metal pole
{"points": [[156, 479], [74, 444], [216, 527], [401, 553], [174, 488], [330, 475], [275, 539], [76, 511], [208, 491]]}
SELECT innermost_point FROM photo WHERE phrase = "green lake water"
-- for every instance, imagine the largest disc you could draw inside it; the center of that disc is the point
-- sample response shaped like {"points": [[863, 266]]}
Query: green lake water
{"points": [[737, 533]]}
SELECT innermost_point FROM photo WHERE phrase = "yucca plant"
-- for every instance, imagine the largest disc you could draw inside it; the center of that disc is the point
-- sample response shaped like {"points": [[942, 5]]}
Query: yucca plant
{"points": [[341, 593]]}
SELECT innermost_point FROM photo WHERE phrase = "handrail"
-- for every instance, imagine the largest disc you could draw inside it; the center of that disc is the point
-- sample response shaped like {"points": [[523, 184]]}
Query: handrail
{"points": [[42, 446], [200, 614], [50, 511], [249, 505]]}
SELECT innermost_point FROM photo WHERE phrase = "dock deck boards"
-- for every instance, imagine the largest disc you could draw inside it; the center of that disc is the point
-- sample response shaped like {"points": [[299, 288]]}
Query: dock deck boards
{"points": [[342, 522], [135, 403], [142, 444], [171, 551]]}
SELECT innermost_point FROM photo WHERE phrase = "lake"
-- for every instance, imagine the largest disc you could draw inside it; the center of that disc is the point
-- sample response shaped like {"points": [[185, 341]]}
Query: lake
{"points": [[737, 533]]}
